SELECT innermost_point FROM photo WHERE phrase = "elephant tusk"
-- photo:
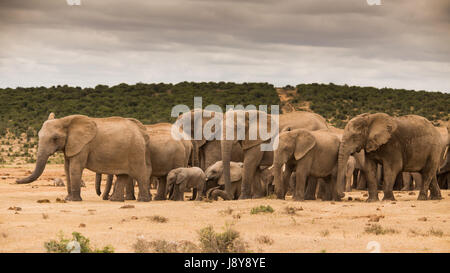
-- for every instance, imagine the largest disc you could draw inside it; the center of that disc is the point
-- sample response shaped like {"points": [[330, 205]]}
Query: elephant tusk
{"points": [[445, 153]]}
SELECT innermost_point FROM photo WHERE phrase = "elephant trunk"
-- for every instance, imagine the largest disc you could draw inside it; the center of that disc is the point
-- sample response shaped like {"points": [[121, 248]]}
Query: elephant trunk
{"points": [[342, 167], [226, 158], [278, 181], [98, 182], [195, 154], [38, 170]]}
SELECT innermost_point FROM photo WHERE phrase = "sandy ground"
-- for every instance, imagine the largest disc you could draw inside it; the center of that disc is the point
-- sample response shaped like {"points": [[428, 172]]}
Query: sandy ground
{"points": [[319, 227]]}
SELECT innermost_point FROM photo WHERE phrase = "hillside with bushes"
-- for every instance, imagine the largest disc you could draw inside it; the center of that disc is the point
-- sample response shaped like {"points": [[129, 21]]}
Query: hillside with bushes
{"points": [[23, 110]]}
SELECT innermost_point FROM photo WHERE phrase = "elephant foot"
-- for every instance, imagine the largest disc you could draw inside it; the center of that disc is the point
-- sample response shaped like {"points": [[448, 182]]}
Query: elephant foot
{"points": [[296, 198], [245, 196], [422, 197], [130, 197], [115, 198], [144, 198], [372, 199], [388, 196], [310, 198], [257, 196], [105, 197], [436, 197], [74, 196], [159, 198]]}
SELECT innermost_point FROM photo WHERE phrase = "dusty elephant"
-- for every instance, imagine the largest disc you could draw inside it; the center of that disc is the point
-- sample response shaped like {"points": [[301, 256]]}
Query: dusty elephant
{"points": [[310, 153], [408, 143], [215, 183], [167, 154], [179, 180], [112, 145]]}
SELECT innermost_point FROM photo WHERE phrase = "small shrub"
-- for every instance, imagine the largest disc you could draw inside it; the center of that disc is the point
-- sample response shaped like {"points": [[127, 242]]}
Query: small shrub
{"points": [[262, 209], [324, 233], [292, 210], [60, 245], [163, 246], [227, 211], [436, 232], [264, 239], [225, 242], [379, 230], [158, 219]]}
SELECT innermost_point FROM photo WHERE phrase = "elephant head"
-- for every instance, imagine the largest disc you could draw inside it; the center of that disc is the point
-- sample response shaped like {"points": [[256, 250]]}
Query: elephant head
{"points": [[292, 144], [215, 172], [176, 183], [251, 128], [366, 131], [69, 135]]}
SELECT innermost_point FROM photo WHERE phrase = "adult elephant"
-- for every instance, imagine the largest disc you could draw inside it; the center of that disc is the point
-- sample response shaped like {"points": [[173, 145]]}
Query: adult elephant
{"points": [[112, 145], [408, 143], [254, 157], [167, 153]]}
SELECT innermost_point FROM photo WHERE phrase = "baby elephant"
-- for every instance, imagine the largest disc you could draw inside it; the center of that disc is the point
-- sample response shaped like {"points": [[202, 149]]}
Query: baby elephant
{"points": [[215, 184], [180, 180], [309, 153]]}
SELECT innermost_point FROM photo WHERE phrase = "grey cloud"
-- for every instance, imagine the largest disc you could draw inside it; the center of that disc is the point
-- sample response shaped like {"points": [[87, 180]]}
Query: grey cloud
{"points": [[216, 35]]}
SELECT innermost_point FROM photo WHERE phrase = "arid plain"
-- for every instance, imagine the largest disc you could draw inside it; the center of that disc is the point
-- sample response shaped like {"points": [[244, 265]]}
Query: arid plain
{"points": [[406, 225]]}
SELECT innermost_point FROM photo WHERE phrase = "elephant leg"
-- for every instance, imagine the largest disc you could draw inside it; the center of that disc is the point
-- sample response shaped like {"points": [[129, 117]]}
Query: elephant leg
{"points": [[390, 171], [76, 171], [291, 189], [143, 181], [398, 182], [324, 191], [407, 179], [355, 179], [129, 190], [109, 181], [236, 190], [252, 159], [161, 191], [428, 173], [257, 190], [435, 191], [300, 181], [286, 180], [311, 186], [67, 172], [361, 181], [119, 188], [371, 178]]}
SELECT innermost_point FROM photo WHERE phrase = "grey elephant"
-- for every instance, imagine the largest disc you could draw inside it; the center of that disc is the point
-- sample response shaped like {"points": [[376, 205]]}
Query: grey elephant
{"points": [[180, 180], [310, 153], [254, 158], [410, 181], [409, 143], [112, 145], [215, 181], [167, 154]]}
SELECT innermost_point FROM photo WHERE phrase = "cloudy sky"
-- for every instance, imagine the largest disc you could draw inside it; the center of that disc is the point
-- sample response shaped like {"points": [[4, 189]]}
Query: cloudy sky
{"points": [[400, 44]]}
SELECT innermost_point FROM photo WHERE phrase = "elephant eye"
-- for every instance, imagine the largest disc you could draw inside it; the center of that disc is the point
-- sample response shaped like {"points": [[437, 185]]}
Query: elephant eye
{"points": [[55, 138]]}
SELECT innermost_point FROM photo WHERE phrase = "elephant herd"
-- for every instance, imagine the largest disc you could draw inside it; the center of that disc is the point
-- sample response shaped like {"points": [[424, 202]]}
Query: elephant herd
{"points": [[375, 151]]}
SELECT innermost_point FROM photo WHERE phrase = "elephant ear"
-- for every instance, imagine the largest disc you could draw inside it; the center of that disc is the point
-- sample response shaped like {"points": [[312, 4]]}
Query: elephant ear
{"points": [[380, 131], [181, 178], [80, 131], [305, 141]]}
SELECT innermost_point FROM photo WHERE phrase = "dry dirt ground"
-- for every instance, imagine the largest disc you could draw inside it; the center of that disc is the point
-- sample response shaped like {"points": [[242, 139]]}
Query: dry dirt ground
{"points": [[318, 227]]}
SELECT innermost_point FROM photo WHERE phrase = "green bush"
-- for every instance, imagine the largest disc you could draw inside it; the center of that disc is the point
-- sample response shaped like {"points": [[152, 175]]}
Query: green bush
{"points": [[262, 209], [60, 245]]}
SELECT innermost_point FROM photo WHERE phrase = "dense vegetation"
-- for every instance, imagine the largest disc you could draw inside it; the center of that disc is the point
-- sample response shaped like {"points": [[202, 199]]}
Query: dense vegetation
{"points": [[25, 108], [339, 103]]}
